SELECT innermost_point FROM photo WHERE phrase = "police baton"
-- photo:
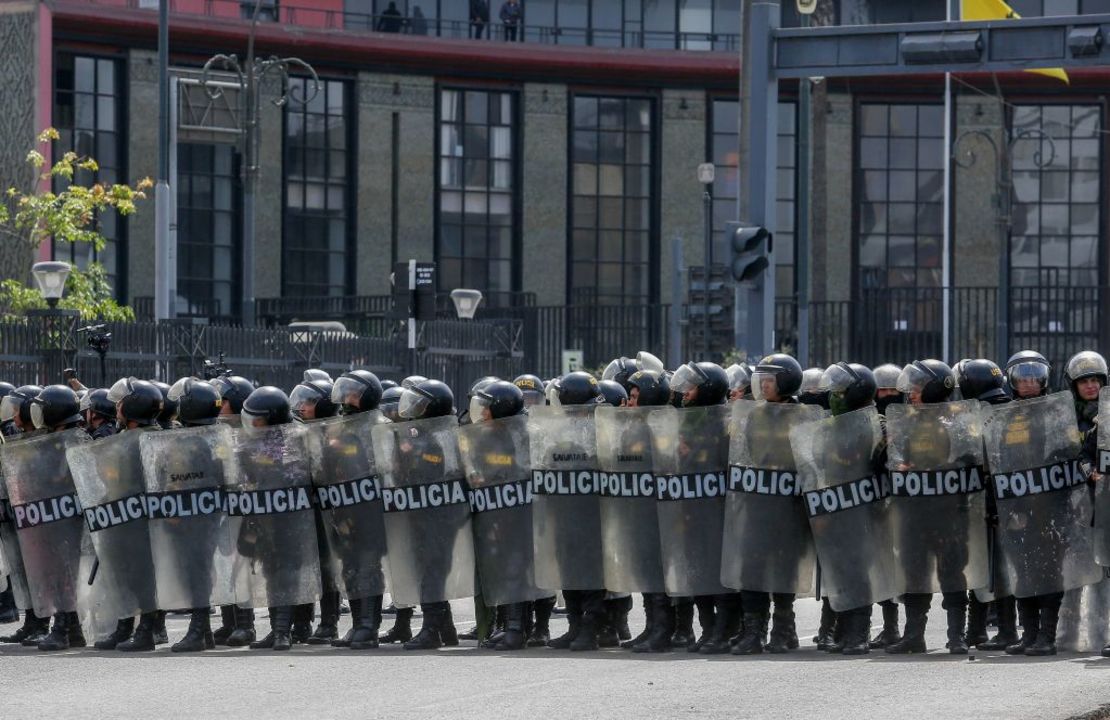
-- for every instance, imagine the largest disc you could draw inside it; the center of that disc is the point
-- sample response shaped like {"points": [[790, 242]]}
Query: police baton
{"points": [[95, 569]]}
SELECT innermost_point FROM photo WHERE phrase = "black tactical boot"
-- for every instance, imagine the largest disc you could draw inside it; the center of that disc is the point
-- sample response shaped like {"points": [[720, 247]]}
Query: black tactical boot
{"points": [[587, 635], [854, 638], [447, 632], [724, 626], [266, 641], [244, 634], [199, 635], [913, 639], [825, 637], [976, 622], [227, 624], [1029, 616], [328, 629], [8, 611], [365, 623], [755, 630], [402, 627], [607, 636], [33, 629], [303, 616], [541, 629], [957, 622], [428, 638], [684, 624], [121, 634], [62, 633], [1046, 633], [889, 634], [648, 619], [618, 610], [663, 621], [784, 635], [161, 637], [143, 638], [345, 641], [513, 638], [1007, 626], [707, 619], [281, 624], [574, 622]]}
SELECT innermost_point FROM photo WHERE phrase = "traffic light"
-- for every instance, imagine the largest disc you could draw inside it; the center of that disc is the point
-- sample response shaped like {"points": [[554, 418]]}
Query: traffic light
{"points": [[751, 251]]}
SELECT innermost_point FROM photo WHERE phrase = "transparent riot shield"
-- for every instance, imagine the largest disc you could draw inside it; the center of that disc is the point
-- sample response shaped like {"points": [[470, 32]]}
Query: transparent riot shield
{"points": [[938, 497], [349, 499], [9, 548], [427, 510], [690, 456], [567, 509], [631, 550], [495, 458], [1044, 536], [47, 517], [847, 505], [187, 473], [767, 546], [277, 561], [1101, 533]]}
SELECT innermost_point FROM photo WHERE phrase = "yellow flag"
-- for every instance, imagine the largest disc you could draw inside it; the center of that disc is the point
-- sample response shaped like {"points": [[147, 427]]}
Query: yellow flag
{"points": [[998, 10]]}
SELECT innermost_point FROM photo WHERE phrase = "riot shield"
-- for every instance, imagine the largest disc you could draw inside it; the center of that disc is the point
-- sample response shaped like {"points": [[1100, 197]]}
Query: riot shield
{"points": [[278, 561], [495, 458], [427, 511], [1043, 537], [630, 545], [847, 507], [349, 500], [1101, 536], [47, 517], [938, 497], [9, 548], [767, 546], [186, 474], [567, 509], [690, 455]]}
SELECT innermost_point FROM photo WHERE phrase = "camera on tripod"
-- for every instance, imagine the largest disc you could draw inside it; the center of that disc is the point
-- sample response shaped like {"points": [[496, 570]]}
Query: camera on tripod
{"points": [[97, 339]]}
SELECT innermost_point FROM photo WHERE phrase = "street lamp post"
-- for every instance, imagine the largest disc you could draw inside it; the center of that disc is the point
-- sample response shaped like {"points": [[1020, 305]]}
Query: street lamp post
{"points": [[56, 325], [706, 174], [250, 74]]}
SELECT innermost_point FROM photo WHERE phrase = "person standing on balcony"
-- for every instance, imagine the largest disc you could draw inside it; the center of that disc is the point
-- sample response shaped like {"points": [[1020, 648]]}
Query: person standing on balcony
{"points": [[391, 20], [479, 18], [511, 16], [418, 24]]}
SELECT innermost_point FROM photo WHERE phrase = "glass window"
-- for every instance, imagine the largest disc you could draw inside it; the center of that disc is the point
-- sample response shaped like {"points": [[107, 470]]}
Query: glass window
{"points": [[695, 23], [88, 107], [208, 230], [612, 193], [899, 191], [316, 249], [477, 226], [660, 23]]}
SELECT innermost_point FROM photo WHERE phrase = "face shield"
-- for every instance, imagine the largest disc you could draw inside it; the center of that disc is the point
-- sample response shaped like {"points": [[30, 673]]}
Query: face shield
{"points": [[180, 389], [765, 385], [553, 394], [738, 378], [912, 378], [616, 367], [479, 408], [412, 404], [1026, 372], [347, 391], [647, 361], [120, 390], [685, 379], [9, 407], [302, 402], [37, 415], [837, 379]]}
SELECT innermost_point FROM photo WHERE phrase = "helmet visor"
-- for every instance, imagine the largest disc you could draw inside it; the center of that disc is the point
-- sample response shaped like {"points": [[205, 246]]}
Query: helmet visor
{"points": [[886, 377], [37, 415], [837, 379], [738, 378], [533, 397], [412, 404], [180, 389], [302, 400], [120, 390], [553, 394], [912, 378], [685, 379], [9, 407], [1029, 371], [647, 361], [479, 408], [764, 384], [347, 391], [614, 368], [412, 381]]}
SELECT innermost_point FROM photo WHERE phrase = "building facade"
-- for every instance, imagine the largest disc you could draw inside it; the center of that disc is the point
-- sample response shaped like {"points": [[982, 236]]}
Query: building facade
{"points": [[552, 163]]}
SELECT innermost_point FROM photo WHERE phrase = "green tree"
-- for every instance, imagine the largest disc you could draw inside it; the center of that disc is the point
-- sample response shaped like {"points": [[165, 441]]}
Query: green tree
{"points": [[32, 216]]}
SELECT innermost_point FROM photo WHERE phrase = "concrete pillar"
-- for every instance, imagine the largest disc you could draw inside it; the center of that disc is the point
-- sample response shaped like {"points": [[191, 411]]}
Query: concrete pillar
{"points": [[544, 192], [681, 211]]}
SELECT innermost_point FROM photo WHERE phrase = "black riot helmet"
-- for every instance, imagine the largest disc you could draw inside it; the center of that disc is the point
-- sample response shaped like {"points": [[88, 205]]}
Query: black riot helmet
{"points": [[311, 400], [137, 401], [931, 381], [500, 398], [56, 406], [198, 401], [1025, 366], [412, 381], [708, 380], [649, 389], [316, 374], [265, 407], [358, 391], [17, 404], [426, 400], [390, 400], [619, 370], [1083, 365], [613, 392], [386, 384], [169, 407], [6, 388], [234, 390], [95, 402], [780, 369], [481, 383], [532, 387], [811, 393], [574, 388], [850, 386], [981, 379], [739, 381]]}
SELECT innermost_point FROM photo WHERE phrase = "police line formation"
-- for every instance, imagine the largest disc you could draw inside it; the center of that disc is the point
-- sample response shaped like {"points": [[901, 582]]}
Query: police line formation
{"points": [[725, 492]]}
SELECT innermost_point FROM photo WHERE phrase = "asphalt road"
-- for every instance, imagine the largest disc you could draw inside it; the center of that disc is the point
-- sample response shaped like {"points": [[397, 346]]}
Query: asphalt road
{"points": [[467, 682]]}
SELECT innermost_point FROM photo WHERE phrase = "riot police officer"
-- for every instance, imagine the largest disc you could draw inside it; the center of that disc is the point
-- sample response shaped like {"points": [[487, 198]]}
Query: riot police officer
{"points": [[167, 418], [234, 390], [810, 392], [886, 380], [776, 379], [739, 382], [99, 414], [391, 397], [55, 409], [532, 387]]}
